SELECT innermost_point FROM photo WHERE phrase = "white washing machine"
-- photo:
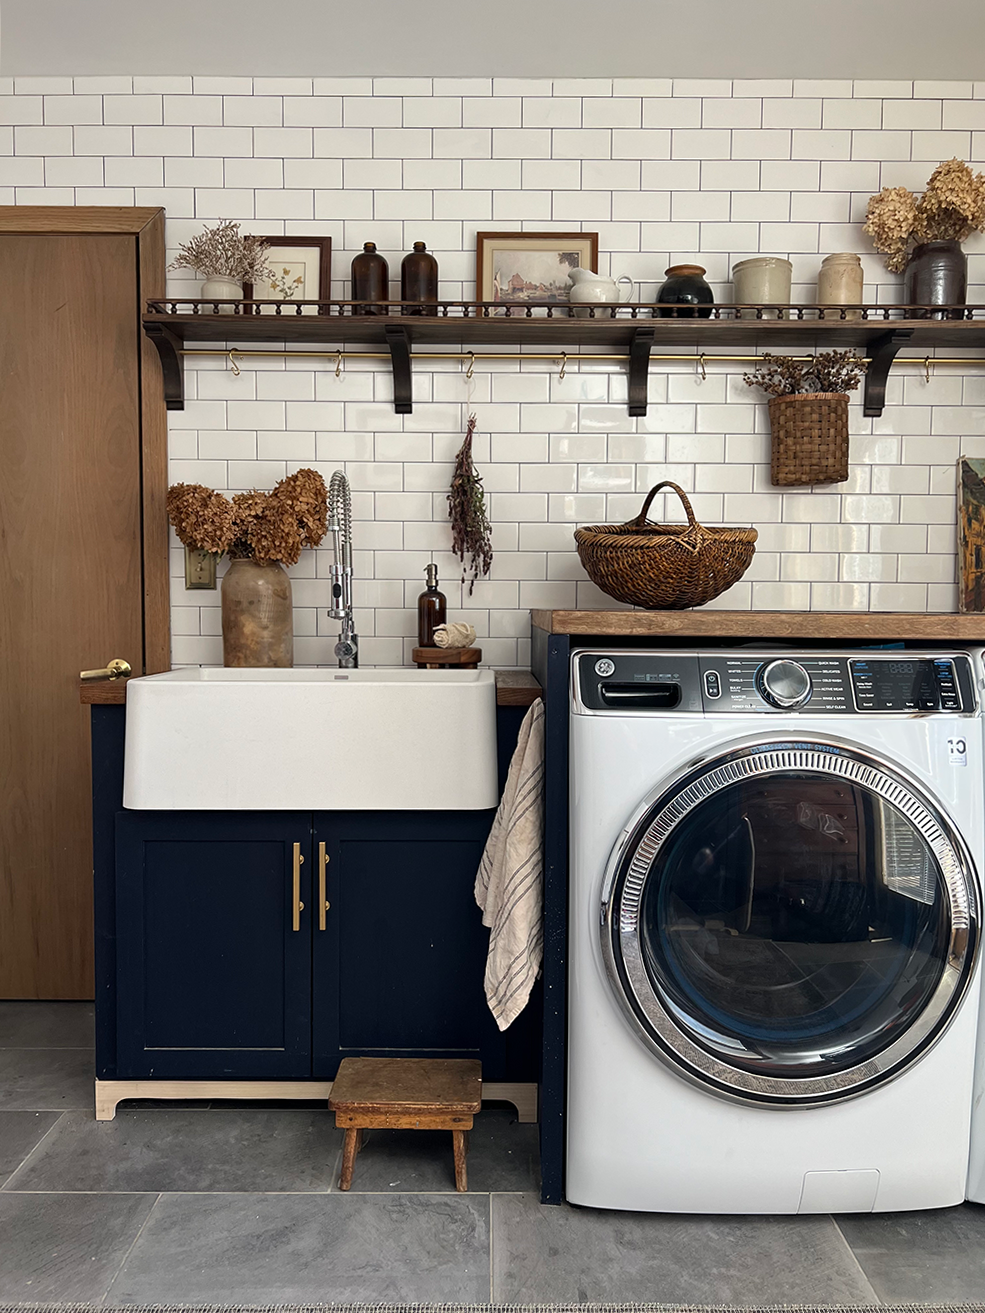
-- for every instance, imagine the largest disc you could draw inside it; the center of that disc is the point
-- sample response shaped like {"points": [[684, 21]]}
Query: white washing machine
{"points": [[774, 925]]}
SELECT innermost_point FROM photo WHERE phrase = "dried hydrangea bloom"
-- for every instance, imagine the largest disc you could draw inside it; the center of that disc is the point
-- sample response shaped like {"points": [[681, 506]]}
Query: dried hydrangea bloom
{"points": [[303, 496], [891, 220], [953, 206], [247, 507], [201, 518]]}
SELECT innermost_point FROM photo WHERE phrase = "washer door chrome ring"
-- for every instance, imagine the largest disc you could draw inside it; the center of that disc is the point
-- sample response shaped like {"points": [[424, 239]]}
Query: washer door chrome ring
{"points": [[629, 868]]}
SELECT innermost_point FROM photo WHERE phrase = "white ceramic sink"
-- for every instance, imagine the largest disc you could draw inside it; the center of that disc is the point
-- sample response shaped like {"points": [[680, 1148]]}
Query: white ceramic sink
{"points": [[298, 740]]}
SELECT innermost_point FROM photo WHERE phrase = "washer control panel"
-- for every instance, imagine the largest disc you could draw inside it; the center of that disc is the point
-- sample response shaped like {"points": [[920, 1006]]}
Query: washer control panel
{"points": [[805, 683]]}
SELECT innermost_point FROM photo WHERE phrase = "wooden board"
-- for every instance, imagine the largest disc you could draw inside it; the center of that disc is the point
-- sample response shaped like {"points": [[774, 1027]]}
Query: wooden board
{"points": [[971, 535], [514, 688], [446, 656], [854, 626], [405, 1085], [70, 510]]}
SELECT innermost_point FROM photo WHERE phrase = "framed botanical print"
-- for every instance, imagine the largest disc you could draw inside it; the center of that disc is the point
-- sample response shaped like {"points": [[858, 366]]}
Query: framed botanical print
{"points": [[514, 268], [302, 271]]}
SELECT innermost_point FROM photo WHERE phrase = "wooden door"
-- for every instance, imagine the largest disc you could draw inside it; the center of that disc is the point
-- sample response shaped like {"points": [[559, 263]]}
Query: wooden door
{"points": [[213, 964], [71, 575]]}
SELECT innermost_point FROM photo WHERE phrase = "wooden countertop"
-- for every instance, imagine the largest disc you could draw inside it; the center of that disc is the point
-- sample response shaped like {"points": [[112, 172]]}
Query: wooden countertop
{"points": [[856, 626], [514, 688]]}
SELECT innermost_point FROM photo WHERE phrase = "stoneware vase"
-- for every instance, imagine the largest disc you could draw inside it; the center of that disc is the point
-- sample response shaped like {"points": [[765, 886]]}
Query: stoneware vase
{"points": [[257, 615], [937, 274], [225, 290]]}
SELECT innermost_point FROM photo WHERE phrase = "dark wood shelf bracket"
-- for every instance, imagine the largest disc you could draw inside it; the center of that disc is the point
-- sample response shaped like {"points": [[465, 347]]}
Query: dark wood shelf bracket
{"points": [[639, 370], [399, 344], [169, 349], [882, 353]]}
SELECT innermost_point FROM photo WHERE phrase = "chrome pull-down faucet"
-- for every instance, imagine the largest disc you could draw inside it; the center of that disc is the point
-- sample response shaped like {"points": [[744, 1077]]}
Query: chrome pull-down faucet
{"points": [[340, 527]]}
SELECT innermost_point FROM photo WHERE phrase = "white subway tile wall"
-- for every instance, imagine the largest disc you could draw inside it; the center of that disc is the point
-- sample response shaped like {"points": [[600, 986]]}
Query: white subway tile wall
{"points": [[706, 170]]}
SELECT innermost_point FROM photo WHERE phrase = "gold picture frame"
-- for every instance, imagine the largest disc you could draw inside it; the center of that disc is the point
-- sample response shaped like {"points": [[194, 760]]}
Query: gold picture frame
{"points": [[517, 268]]}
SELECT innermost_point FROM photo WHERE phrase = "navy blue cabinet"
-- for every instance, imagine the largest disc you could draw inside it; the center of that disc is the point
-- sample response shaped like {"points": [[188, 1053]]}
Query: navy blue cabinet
{"points": [[201, 974], [398, 967], [213, 979]]}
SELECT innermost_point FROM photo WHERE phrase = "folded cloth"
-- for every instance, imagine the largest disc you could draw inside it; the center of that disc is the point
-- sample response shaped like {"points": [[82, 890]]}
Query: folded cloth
{"points": [[510, 884]]}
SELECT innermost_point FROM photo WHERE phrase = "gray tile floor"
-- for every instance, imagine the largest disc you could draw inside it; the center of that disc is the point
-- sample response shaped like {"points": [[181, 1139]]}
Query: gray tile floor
{"points": [[223, 1203]]}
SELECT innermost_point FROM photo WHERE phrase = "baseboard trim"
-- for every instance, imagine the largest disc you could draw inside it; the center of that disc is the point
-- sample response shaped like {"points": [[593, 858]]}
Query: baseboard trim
{"points": [[109, 1093]]}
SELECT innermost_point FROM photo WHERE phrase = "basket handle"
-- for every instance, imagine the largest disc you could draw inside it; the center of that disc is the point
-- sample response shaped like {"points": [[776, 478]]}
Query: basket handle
{"points": [[641, 519]]}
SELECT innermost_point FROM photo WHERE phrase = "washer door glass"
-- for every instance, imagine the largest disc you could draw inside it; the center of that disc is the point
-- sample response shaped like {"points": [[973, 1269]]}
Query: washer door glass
{"points": [[791, 922]]}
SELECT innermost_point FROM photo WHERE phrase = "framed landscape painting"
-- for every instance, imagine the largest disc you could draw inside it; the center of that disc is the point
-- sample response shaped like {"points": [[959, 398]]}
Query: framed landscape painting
{"points": [[515, 268], [302, 271]]}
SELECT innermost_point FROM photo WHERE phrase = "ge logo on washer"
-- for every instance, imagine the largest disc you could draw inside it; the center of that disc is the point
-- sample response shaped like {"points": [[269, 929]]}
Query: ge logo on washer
{"points": [[605, 667]]}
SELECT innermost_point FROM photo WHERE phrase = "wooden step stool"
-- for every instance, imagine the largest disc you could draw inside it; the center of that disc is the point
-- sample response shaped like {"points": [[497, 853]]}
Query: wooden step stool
{"points": [[426, 1094]]}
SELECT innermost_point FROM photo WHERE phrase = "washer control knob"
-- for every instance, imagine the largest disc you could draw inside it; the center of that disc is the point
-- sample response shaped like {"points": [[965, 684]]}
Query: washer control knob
{"points": [[784, 684]]}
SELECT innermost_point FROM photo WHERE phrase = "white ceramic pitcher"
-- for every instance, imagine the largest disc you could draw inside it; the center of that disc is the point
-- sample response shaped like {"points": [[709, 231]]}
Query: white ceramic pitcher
{"points": [[589, 288]]}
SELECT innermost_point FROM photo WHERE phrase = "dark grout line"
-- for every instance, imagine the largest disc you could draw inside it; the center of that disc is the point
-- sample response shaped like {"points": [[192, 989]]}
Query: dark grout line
{"points": [[140, 1231], [855, 1258], [31, 1152]]}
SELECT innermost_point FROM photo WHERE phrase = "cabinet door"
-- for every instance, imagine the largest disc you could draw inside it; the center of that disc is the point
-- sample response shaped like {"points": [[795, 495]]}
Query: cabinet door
{"points": [[399, 966], [214, 963]]}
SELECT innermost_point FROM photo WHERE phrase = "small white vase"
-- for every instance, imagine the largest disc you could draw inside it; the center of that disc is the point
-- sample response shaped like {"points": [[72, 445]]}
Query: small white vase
{"points": [[222, 289]]}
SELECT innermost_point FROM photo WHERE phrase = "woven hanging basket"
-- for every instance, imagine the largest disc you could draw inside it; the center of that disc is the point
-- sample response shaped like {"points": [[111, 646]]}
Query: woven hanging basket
{"points": [[664, 567], [809, 439]]}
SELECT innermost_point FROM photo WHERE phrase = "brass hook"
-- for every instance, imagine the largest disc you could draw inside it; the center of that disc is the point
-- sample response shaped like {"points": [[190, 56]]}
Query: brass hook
{"points": [[338, 365], [232, 363], [471, 368], [701, 366], [564, 364], [926, 369]]}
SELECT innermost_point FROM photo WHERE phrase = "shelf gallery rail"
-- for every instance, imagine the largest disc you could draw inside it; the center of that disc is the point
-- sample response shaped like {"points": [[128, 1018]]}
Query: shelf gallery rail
{"points": [[632, 334]]}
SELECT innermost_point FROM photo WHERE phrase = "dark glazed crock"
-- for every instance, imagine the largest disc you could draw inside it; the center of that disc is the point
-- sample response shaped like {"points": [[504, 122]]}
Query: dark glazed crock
{"points": [[686, 286]]}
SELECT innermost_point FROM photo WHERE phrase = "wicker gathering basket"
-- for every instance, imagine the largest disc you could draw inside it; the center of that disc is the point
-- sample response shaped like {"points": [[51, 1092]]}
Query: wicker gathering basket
{"points": [[664, 567], [809, 439]]}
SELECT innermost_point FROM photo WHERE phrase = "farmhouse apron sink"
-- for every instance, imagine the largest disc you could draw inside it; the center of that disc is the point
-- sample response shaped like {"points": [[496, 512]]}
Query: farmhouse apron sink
{"points": [[328, 739]]}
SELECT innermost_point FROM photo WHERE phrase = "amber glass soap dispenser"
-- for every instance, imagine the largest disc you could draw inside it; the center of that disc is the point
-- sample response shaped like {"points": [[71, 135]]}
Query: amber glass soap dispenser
{"points": [[431, 609]]}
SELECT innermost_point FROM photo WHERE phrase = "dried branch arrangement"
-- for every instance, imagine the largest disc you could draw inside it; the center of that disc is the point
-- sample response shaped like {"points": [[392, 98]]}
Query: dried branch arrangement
{"points": [[221, 252], [951, 209], [258, 526], [470, 530], [829, 371]]}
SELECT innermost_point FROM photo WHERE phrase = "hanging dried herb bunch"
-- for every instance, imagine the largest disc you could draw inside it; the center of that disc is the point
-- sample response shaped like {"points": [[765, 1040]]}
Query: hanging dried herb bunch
{"points": [[221, 252], [829, 371], [258, 526], [470, 531], [951, 209]]}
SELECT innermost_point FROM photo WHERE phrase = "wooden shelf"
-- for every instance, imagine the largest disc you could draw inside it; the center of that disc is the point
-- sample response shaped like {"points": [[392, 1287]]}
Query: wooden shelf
{"points": [[807, 626], [514, 688], [633, 330]]}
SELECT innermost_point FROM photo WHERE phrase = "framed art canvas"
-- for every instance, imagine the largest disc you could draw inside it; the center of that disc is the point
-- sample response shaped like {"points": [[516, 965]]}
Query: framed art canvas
{"points": [[514, 268], [302, 271], [971, 535]]}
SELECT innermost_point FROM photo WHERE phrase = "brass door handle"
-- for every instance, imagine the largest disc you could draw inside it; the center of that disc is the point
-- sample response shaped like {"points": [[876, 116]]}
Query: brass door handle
{"points": [[323, 903], [116, 668], [298, 905]]}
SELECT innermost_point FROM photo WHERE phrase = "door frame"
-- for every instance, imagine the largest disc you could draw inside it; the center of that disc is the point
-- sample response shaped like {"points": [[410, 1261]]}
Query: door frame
{"points": [[146, 224]]}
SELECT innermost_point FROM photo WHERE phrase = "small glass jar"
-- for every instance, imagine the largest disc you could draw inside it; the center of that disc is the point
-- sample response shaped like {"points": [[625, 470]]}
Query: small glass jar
{"points": [[762, 280], [839, 282]]}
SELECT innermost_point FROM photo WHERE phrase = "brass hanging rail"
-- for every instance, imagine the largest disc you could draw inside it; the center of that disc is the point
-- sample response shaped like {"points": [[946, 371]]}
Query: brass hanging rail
{"points": [[694, 357]]}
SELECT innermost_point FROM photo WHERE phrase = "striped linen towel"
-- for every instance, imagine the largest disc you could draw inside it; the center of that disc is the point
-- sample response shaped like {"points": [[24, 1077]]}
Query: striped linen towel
{"points": [[510, 884]]}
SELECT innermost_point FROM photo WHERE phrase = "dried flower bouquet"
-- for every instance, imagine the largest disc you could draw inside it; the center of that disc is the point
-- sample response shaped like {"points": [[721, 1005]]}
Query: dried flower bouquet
{"points": [[258, 526], [828, 371], [951, 209], [221, 252], [471, 533]]}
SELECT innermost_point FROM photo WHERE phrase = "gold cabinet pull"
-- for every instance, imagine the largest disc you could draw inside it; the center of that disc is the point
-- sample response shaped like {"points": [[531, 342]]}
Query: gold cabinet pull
{"points": [[323, 903], [116, 668], [298, 905]]}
